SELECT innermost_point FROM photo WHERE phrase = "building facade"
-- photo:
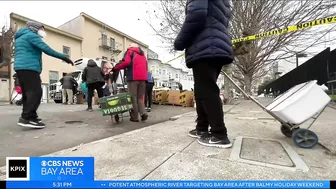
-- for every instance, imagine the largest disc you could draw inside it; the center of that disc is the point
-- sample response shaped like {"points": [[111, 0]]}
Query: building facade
{"points": [[165, 74], [81, 37], [99, 39]]}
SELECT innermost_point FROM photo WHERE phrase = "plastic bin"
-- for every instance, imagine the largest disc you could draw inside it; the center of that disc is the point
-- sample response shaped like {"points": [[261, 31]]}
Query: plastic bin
{"points": [[299, 103], [116, 104]]}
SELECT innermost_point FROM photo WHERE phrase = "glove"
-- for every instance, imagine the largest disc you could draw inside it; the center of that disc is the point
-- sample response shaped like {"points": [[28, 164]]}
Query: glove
{"points": [[67, 60]]}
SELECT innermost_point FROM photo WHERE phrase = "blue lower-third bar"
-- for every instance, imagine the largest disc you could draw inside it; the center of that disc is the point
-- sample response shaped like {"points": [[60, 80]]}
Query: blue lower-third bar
{"points": [[169, 184]]}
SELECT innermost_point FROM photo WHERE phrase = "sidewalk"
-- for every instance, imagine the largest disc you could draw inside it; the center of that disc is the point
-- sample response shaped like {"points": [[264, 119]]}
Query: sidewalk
{"points": [[165, 151]]}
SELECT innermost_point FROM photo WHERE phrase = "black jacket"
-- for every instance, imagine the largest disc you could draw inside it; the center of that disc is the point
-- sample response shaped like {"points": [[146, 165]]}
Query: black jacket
{"points": [[68, 82], [93, 73], [204, 33]]}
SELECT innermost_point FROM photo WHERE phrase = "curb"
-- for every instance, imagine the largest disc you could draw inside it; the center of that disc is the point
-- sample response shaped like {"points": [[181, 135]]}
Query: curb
{"points": [[178, 116]]}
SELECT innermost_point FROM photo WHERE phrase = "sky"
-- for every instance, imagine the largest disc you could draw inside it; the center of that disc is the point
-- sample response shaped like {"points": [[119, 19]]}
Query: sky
{"points": [[126, 16]]}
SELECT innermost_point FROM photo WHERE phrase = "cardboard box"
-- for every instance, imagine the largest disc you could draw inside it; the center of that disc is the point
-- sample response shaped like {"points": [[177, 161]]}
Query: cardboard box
{"points": [[174, 97], [187, 98], [161, 97], [95, 98], [80, 98]]}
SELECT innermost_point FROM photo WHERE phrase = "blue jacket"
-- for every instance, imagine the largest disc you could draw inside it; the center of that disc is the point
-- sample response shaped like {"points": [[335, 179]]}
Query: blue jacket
{"points": [[204, 34], [150, 78], [28, 51]]}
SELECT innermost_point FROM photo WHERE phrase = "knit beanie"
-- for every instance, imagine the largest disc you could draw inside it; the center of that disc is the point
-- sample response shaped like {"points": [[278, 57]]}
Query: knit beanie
{"points": [[34, 26]]}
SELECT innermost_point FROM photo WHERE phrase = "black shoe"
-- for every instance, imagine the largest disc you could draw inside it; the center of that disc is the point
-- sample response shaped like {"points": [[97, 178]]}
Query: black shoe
{"points": [[89, 109], [39, 120], [144, 117], [212, 141], [196, 134], [134, 120], [36, 124]]}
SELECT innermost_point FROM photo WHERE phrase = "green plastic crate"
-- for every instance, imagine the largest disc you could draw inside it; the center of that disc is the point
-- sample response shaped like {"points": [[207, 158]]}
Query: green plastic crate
{"points": [[116, 104]]}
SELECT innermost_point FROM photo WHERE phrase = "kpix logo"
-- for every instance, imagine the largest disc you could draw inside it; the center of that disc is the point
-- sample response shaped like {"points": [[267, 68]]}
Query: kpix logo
{"points": [[17, 168]]}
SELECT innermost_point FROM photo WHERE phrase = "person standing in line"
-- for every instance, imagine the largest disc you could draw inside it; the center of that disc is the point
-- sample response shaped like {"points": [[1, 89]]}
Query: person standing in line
{"points": [[207, 43], [93, 76], [135, 62], [68, 83], [28, 67], [149, 91]]}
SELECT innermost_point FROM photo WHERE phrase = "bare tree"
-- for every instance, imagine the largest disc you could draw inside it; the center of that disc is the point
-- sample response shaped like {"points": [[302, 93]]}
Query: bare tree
{"points": [[254, 59], [7, 45], [257, 16]]}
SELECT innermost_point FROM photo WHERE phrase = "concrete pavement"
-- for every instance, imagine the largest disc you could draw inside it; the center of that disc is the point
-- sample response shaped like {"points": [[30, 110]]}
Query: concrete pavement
{"points": [[165, 151], [60, 134]]}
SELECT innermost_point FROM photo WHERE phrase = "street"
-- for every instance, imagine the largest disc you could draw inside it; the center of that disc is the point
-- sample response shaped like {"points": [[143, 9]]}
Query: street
{"points": [[67, 126]]}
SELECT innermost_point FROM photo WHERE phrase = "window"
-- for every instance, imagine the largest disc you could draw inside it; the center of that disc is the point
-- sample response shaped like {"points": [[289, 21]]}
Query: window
{"points": [[164, 72], [157, 71], [176, 76], [170, 75], [53, 77], [104, 39], [66, 51], [112, 43], [160, 71]]}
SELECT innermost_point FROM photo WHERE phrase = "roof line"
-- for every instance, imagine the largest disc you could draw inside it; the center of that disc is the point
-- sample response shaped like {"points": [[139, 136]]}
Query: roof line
{"points": [[168, 65], [59, 31], [113, 29], [67, 22]]}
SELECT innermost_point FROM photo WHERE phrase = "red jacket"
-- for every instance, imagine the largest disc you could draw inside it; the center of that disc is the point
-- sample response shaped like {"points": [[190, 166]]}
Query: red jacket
{"points": [[135, 62]]}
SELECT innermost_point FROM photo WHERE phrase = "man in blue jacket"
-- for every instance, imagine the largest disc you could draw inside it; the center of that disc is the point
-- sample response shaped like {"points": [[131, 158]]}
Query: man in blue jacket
{"points": [[205, 38], [28, 66]]}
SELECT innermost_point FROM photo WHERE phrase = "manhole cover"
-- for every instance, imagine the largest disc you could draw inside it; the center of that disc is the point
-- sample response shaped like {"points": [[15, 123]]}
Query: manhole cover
{"points": [[74, 122], [265, 151]]}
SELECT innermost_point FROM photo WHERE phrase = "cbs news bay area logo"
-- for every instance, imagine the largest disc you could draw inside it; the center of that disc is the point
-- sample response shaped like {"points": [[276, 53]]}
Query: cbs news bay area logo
{"points": [[62, 167], [19, 168]]}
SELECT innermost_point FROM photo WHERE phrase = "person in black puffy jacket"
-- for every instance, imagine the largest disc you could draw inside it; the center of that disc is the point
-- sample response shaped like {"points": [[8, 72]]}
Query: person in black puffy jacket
{"points": [[94, 78], [205, 38]]}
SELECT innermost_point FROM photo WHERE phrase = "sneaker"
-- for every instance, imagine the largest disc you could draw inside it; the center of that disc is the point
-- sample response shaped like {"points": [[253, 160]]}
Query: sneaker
{"points": [[39, 120], [148, 109], [144, 117], [195, 134], [89, 109], [31, 123], [212, 141]]}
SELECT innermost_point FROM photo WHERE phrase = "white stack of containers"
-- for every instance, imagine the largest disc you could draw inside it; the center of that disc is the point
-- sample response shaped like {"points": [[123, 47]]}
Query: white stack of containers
{"points": [[299, 103]]}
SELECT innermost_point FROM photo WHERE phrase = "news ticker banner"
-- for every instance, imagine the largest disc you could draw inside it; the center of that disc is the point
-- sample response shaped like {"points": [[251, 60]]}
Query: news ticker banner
{"points": [[289, 29], [169, 184], [78, 172], [50, 168]]}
